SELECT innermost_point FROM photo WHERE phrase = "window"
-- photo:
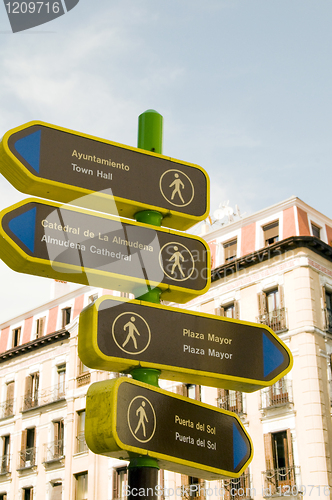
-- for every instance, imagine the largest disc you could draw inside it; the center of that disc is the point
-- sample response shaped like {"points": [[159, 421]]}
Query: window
{"points": [[16, 338], [40, 327], [81, 486], [230, 310], [315, 230], [193, 486], [192, 391], [31, 391], [271, 309], [58, 438], [81, 444], [61, 382], [66, 313], [231, 400], [327, 305], [56, 491], [280, 469], [27, 493], [9, 405], [5, 455], [271, 233], [120, 479], [28, 450], [230, 250], [3, 496]]}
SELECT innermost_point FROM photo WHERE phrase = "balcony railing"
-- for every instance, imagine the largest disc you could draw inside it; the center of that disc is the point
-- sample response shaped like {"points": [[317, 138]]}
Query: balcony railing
{"points": [[280, 481], [194, 491], [7, 408], [27, 458], [279, 394], [43, 397], [5, 464], [54, 451], [83, 379], [233, 401], [81, 445], [276, 320], [238, 489]]}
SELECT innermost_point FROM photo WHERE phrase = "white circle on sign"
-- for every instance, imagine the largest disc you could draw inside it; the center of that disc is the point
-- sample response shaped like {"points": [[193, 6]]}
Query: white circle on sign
{"points": [[178, 188], [175, 261], [142, 420], [132, 333]]}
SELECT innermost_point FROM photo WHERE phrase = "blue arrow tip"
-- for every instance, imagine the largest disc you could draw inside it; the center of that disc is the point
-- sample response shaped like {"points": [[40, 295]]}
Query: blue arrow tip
{"points": [[24, 228], [29, 148], [272, 356], [240, 446]]}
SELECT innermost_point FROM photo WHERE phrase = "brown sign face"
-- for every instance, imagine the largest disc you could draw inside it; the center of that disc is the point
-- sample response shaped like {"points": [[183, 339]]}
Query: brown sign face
{"points": [[94, 248], [184, 435], [73, 165], [186, 346]]}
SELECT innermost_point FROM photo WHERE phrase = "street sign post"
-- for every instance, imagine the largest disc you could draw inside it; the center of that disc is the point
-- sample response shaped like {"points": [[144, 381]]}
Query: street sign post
{"points": [[72, 244], [125, 418], [186, 346], [63, 165]]}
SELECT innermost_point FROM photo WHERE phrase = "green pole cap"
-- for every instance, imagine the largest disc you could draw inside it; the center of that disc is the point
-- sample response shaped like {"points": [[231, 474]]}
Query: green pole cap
{"points": [[150, 131], [146, 375], [149, 217], [153, 295], [136, 462]]}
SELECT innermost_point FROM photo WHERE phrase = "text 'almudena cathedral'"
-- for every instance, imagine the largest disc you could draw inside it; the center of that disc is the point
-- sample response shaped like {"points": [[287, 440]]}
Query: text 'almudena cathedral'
{"points": [[272, 267]]}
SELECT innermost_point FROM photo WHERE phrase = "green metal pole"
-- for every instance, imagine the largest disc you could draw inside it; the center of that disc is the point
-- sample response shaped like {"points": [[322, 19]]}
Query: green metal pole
{"points": [[143, 471]]}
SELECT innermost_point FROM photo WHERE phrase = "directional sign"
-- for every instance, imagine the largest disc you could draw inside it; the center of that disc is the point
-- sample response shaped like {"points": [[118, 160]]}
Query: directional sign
{"points": [[125, 417], [75, 245], [59, 164], [186, 346]]}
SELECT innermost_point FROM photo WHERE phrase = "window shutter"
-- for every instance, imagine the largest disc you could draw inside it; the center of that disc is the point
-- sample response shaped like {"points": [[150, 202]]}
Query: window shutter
{"points": [[56, 491], [236, 309], [219, 311], [281, 297], [290, 449], [198, 392], [56, 431], [31, 493], [180, 389], [268, 451], [325, 322], [28, 386], [262, 309], [115, 484], [10, 390]]}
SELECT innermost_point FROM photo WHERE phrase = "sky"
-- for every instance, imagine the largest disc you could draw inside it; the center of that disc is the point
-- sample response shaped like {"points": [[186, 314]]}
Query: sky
{"points": [[244, 87]]}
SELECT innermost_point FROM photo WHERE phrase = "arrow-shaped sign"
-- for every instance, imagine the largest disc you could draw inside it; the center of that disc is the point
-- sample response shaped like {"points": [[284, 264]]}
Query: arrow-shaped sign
{"points": [[59, 164], [72, 244], [187, 346], [125, 417]]}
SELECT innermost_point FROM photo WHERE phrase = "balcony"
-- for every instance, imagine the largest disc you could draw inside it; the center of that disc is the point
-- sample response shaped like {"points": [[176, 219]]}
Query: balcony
{"points": [[27, 458], [83, 379], [276, 320], [279, 394], [232, 401], [81, 446], [7, 409], [5, 465], [194, 491], [43, 397], [238, 489], [281, 482], [54, 451]]}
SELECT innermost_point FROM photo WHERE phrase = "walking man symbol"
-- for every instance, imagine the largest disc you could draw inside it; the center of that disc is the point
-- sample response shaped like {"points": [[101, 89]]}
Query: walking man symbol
{"points": [[142, 416], [176, 257], [177, 184], [131, 332]]}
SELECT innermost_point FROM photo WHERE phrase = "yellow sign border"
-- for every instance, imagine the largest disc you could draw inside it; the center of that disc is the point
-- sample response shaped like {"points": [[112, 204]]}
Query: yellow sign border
{"points": [[100, 439], [23, 180], [19, 261], [91, 355]]}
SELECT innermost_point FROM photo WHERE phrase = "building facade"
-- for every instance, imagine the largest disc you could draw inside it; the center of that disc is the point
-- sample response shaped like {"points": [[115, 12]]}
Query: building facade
{"points": [[273, 267]]}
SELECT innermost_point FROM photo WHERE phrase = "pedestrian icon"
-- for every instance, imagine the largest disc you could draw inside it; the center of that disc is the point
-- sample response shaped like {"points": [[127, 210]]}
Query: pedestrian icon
{"points": [[178, 185], [131, 333], [177, 188], [177, 261], [141, 419], [177, 257], [142, 416]]}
